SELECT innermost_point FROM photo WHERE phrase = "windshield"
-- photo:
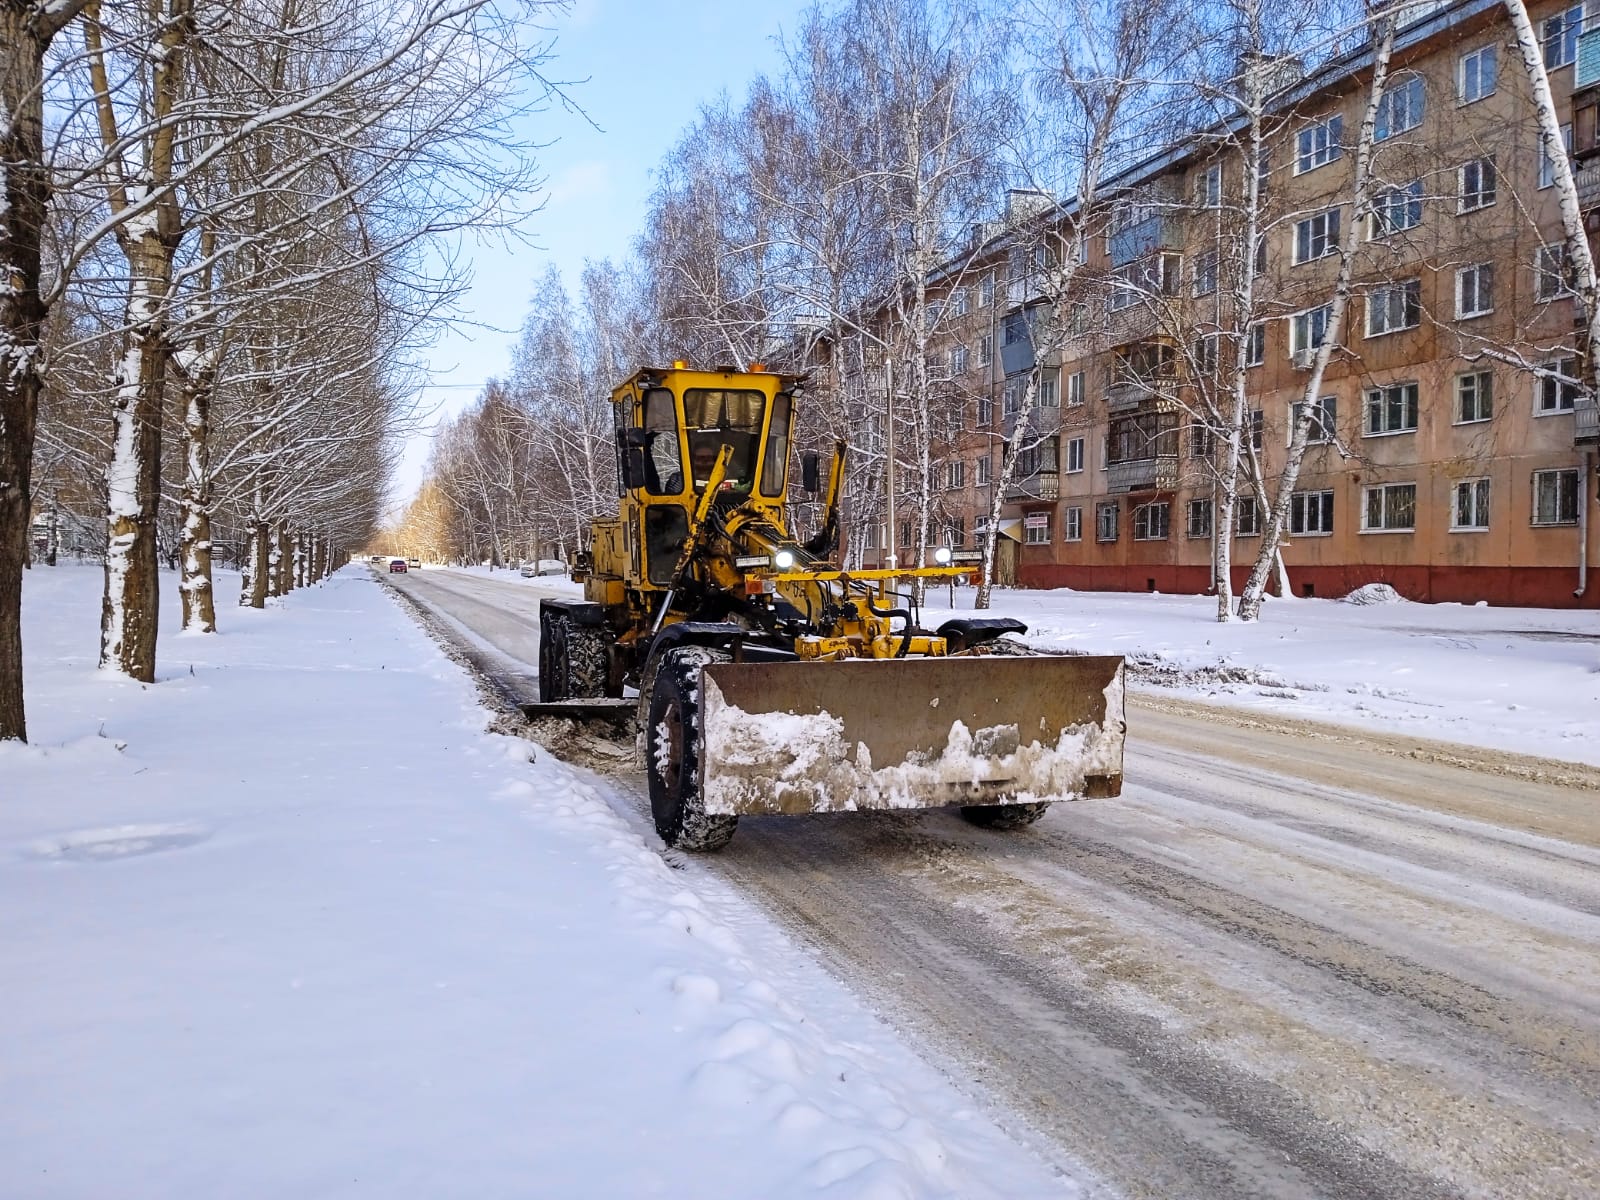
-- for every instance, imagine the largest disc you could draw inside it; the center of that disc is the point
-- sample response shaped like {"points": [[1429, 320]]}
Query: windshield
{"points": [[717, 417]]}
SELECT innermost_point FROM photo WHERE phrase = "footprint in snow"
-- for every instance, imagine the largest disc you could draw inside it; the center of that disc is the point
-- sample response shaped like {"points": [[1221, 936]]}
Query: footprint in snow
{"points": [[116, 841]]}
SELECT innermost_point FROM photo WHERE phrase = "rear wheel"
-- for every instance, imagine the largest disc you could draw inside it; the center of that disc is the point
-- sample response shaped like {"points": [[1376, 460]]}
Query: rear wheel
{"points": [[1004, 816], [574, 660], [672, 740]]}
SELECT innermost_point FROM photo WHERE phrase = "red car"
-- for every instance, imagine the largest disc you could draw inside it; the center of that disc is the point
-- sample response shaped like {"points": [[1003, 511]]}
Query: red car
{"points": [[397, 566]]}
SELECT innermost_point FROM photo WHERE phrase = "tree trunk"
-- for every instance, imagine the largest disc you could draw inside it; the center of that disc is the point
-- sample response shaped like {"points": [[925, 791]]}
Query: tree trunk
{"points": [[199, 600], [261, 572]]}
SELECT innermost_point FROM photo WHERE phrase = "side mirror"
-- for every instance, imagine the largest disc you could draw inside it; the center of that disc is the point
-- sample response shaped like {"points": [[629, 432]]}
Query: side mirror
{"points": [[810, 472], [634, 445]]}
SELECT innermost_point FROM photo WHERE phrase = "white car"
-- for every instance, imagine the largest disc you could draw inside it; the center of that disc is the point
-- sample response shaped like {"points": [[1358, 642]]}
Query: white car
{"points": [[545, 566]]}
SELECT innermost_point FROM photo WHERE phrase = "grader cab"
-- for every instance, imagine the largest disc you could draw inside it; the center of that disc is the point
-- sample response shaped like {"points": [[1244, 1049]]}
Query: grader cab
{"points": [[771, 680]]}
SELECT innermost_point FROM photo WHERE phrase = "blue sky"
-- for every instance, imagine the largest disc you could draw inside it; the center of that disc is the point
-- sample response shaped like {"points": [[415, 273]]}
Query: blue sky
{"points": [[648, 66]]}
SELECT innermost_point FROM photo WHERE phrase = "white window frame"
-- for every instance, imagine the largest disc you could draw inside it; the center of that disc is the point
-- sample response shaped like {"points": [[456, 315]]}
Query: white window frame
{"points": [[1317, 144], [1107, 530], [1246, 514], [1478, 386], [955, 474], [1474, 291], [1547, 167], [986, 350], [1072, 524], [1156, 513], [1308, 231], [1470, 85], [1255, 346], [1301, 329], [1476, 493], [1203, 530], [1488, 185], [1050, 388], [958, 360], [1036, 535], [1211, 186], [1311, 513], [1404, 200], [1554, 397], [1075, 390], [1558, 36], [1388, 495], [959, 302], [1557, 479], [1381, 320], [980, 471], [1401, 108], [1550, 270], [1324, 430], [986, 290], [1383, 397], [1207, 264]]}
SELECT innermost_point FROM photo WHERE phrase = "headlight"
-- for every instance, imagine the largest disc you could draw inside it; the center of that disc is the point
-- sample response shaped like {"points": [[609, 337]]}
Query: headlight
{"points": [[783, 560], [942, 555]]}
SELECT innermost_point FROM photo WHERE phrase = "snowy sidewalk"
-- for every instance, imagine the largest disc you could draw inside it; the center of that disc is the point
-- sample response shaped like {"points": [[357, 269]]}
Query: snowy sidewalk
{"points": [[291, 924]]}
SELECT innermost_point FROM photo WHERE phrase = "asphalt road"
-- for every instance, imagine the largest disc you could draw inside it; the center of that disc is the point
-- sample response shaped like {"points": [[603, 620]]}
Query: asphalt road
{"points": [[1291, 961]]}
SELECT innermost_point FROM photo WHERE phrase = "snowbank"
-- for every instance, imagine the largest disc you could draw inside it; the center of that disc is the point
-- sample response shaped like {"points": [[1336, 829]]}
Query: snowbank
{"points": [[291, 924]]}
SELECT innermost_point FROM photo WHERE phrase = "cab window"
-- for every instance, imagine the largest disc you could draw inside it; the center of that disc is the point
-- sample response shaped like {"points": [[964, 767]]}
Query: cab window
{"points": [[664, 458], [776, 460], [717, 417]]}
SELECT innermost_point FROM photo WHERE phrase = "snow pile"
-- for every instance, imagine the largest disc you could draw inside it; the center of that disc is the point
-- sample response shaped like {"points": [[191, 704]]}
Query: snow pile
{"points": [[1375, 593], [296, 926], [788, 762]]}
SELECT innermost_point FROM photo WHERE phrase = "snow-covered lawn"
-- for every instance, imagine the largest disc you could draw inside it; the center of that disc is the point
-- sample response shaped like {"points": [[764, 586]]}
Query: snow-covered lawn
{"points": [[291, 924], [1519, 679]]}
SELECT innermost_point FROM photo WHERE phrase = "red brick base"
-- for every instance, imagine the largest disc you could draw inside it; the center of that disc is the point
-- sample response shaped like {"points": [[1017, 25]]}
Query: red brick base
{"points": [[1523, 587]]}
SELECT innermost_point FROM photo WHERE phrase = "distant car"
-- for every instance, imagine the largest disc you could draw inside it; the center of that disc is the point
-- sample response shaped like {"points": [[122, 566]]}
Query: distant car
{"points": [[376, 560], [414, 563], [397, 566], [545, 566]]}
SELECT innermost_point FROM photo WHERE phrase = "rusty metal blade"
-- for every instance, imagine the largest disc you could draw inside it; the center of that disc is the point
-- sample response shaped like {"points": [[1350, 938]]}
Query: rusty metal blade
{"points": [[828, 736]]}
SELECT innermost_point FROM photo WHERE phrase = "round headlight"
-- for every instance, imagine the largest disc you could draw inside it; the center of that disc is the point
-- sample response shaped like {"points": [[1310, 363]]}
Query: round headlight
{"points": [[942, 556], [783, 560]]}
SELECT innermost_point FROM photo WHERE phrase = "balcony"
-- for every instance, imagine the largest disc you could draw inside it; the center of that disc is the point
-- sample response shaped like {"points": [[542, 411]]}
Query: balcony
{"points": [[1586, 414], [1155, 474], [1159, 231], [1124, 395], [1046, 485], [1587, 177]]}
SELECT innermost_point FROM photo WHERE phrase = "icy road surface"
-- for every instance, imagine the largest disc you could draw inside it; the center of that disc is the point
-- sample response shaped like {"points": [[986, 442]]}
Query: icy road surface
{"points": [[1289, 961]]}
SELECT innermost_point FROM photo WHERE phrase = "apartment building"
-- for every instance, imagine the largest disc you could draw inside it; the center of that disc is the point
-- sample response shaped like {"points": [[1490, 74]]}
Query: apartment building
{"points": [[1450, 453]]}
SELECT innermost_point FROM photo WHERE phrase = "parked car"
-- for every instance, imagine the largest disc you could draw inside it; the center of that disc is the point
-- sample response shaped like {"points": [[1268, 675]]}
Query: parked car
{"points": [[397, 566], [376, 560], [544, 566], [414, 564]]}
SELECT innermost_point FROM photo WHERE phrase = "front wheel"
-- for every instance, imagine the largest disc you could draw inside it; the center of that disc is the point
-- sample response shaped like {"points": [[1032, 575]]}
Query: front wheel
{"points": [[672, 754], [1004, 816]]}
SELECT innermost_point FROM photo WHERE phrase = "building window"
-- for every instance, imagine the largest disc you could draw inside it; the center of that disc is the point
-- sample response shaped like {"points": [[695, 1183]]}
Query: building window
{"points": [[986, 291], [1393, 308], [1474, 397], [1475, 290], [1257, 427], [958, 360], [1547, 166], [1105, 522], [980, 471], [986, 350], [1049, 389], [955, 474], [1391, 409], [985, 412], [1318, 144], [1395, 209], [1205, 272], [1471, 507], [1475, 77], [1255, 350], [1207, 350], [1316, 237], [1011, 396], [1390, 508], [1561, 36], [1246, 517], [1552, 272], [1324, 420], [1476, 180], [1075, 389], [955, 532], [1211, 187], [1400, 109], [1199, 518], [1308, 329], [1036, 529], [1072, 525], [1074, 455], [1150, 522], [1202, 439], [1310, 513], [1555, 497], [959, 302], [1557, 389]]}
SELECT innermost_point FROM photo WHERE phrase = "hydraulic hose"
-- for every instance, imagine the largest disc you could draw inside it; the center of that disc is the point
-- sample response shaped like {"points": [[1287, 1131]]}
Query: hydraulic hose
{"points": [[905, 632]]}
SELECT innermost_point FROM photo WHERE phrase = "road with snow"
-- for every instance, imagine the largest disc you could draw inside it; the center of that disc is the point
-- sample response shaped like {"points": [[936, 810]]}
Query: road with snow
{"points": [[1290, 961]]}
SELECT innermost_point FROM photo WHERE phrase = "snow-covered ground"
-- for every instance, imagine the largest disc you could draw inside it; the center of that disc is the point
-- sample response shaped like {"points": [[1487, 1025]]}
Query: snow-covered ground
{"points": [[1519, 679], [291, 923]]}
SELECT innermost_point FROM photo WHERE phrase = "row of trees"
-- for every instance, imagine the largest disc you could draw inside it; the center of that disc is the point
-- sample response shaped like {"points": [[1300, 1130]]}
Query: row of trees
{"points": [[228, 226]]}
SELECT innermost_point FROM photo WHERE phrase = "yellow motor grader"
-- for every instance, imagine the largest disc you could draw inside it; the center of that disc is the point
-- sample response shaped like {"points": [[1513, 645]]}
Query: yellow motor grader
{"points": [[771, 680]]}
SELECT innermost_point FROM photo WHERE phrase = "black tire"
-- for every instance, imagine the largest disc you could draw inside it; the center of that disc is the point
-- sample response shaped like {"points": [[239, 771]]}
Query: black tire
{"points": [[672, 754], [574, 660], [1004, 816]]}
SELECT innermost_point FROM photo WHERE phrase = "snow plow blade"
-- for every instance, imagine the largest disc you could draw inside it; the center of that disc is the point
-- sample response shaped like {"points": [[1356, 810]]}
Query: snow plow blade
{"points": [[909, 733]]}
